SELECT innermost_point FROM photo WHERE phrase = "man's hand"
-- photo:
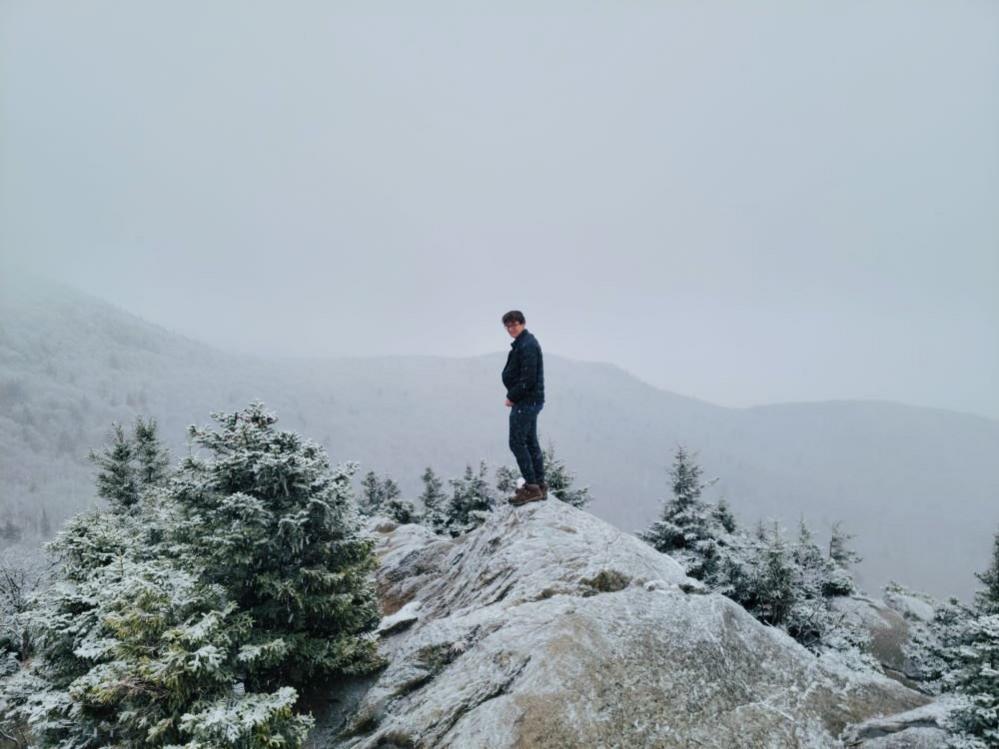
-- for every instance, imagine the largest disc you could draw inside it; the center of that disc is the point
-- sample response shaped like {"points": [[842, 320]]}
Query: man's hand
{"points": [[509, 402]]}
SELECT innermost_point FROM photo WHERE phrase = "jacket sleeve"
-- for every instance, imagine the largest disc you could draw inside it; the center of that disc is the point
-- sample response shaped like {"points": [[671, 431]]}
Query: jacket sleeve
{"points": [[527, 378]]}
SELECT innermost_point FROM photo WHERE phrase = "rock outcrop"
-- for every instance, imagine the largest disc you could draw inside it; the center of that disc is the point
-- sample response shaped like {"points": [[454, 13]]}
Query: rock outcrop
{"points": [[922, 728], [547, 627], [888, 631]]}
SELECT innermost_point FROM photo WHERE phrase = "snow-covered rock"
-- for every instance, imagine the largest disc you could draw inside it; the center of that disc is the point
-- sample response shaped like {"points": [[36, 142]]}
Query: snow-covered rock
{"points": [[888, 631], [924, 727], [909, 604], [547, 627]]}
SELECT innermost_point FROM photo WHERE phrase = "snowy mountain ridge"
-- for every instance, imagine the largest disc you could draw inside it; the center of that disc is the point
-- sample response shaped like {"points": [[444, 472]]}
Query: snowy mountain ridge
{"points": [[916, 486], [548, 627]]}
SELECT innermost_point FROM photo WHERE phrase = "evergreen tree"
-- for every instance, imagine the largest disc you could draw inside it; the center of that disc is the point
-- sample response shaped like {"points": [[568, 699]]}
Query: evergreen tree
{"points": [[987, 600], [839, 550], [839, 580], [383, 497], [260, 584], [399, 509], [689, 529], [807, 619], [472, 498], [974, 672], [265, 517], [130, 464], [390, 490], [433, 499], [975, 677], [560, 480], [930, 645], [506, 480], [152, 457], [723, 514], [135, 652], [372, 494], [117, 481], [774, 592]]}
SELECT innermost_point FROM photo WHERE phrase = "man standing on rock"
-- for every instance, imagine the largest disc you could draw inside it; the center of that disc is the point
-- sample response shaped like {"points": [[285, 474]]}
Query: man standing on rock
{"points": [[524, 379]]}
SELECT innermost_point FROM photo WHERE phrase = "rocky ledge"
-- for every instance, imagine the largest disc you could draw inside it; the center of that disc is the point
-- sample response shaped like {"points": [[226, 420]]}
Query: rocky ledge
{"points": [[547, 627]]}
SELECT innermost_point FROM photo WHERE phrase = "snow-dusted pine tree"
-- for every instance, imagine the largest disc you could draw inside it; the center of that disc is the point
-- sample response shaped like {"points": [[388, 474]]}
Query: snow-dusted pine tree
{"points": [[723, 514], [117, 480], [265, 517], [399, 509], [372, 494], [560, 480], [472, 498], [383, 497], [132, 652], [975, 678], [254, 580], [974, 673], [808, 616], [130, 464], [987, 599], [773, 589], [506, 480], [689, 529], [153, 459], [433, 498], [839, 548], [930, 646], [839, 580]]}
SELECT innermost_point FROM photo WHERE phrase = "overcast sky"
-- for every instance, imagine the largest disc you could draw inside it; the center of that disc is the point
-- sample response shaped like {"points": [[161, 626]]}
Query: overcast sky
{"points": [[747, 203]]}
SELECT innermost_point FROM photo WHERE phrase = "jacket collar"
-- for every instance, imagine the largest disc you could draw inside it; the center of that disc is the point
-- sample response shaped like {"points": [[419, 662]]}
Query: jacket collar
{"points": [[524, 334]]}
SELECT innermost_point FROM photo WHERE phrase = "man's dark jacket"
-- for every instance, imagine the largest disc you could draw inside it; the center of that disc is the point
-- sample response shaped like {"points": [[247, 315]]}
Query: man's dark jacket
{"points": [[524, 373]]}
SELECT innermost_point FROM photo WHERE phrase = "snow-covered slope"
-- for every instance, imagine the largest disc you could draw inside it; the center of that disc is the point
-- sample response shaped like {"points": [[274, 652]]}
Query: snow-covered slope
{"points": [[547, 627]]}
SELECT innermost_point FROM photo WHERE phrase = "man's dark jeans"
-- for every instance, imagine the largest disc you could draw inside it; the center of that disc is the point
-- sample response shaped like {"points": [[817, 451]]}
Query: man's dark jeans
{"points": [[524, 441]]}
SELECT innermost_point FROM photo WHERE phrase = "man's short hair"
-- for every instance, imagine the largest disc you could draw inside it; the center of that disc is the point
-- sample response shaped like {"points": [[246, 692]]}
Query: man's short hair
{"points": [[514, 315]]}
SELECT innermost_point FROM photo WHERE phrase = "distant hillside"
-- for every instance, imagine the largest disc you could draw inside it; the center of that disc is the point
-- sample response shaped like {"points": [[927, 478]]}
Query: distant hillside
{"points": [[919, 487]]}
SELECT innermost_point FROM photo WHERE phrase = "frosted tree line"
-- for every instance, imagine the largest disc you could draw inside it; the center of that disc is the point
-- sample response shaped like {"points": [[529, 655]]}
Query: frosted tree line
{"points": [[198, 608], [791, 583]]}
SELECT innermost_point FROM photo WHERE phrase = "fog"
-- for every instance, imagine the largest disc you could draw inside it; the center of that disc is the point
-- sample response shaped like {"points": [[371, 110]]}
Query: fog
{"points": [[749, 205]]}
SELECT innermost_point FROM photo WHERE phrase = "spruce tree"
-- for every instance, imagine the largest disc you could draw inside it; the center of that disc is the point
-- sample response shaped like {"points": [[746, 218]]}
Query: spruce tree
{"points": [[839, 549], [809, 617], [688, 529], [130, 464], [153, 459], [987, 599], [117, 480], [433, 498], [506, 480], [266, 518], [261, 581], [399, 509], [839, 580], [723, 514], [774, 591], [372, 494], [472, 498], [560, 480], [974, 672], [136, 652]]}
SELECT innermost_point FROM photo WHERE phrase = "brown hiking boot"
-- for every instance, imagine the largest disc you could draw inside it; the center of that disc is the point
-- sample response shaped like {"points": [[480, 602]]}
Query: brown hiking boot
{"points": [[526, 493], [517, 494], [544, 489]]}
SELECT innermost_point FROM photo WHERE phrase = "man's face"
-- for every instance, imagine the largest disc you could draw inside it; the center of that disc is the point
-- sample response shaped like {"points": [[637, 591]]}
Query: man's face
{"points": [[514, 328]]}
